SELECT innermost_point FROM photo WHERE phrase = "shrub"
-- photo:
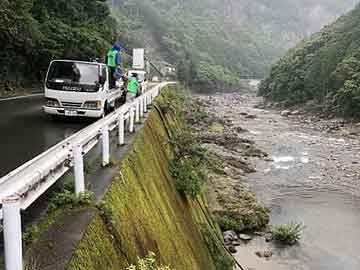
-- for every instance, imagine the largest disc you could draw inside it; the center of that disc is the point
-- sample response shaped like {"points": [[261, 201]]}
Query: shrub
{"points": [[189, 179], [71, 199], [148, 263], [287, 233], [227, 223], [31, 234], [188, 163]]}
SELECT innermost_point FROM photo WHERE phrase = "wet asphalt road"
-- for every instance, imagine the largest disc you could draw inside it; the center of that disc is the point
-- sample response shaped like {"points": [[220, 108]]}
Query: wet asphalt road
{"points": [[25, 131]]}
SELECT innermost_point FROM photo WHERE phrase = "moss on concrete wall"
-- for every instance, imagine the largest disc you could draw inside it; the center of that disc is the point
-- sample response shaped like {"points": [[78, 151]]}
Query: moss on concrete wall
{"points": [[102, 253], [148, 214]]}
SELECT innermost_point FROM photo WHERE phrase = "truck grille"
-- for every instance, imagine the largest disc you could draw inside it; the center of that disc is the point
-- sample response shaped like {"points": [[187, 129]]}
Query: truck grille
{"points": [[71, 104]]}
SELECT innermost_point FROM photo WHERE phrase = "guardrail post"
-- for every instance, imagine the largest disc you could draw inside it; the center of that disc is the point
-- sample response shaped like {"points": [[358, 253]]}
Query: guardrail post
{"points": [[105, 146], [12, 233], [121, 124], [137, 112], [79, 169], [131, 124], [145, 103], [142, 106]]}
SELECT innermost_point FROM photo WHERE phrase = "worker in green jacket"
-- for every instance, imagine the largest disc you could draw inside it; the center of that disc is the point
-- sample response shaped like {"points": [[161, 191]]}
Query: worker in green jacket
{"points": [[132, 87], [113, 61]]}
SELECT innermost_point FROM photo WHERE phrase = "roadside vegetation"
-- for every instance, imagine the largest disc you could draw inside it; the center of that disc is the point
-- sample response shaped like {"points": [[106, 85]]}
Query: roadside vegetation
{"points": [[33, 32], [322, 72], [64, 200]]}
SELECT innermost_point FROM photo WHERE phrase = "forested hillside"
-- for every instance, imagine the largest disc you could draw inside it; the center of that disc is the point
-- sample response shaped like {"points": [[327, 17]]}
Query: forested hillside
{"points": [[222, 40], [32, 32], [322, 71], [212, 42]]}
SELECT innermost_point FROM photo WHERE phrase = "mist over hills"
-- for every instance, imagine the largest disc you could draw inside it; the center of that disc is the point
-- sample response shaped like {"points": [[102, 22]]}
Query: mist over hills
{"points": [[213, 42], [226, 39], [323, 71]]}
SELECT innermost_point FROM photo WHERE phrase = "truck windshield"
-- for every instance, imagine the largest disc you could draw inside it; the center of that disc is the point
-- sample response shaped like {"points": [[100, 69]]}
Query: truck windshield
{"points": [[73, 76]]}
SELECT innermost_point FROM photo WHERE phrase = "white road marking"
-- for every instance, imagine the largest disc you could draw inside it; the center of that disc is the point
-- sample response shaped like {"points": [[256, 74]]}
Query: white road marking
{"points": [[21, 97]]}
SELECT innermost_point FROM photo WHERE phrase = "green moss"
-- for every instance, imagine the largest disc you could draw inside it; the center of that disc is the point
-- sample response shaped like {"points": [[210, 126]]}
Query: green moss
{"points": [[147, 212], [223, 260], [97, 250]]}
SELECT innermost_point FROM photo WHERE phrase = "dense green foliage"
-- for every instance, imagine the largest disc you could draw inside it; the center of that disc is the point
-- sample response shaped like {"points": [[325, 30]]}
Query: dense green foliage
{"points": [[32, 32], [323, 70], [214, 43], [227, 223]]}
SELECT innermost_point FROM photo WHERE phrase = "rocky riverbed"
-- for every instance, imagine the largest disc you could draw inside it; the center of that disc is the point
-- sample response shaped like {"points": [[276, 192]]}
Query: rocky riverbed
{"points": [[304, 167]]}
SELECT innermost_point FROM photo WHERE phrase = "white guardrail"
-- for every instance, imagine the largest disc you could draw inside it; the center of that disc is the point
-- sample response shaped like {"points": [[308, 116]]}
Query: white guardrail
{"points": [[21, 187]]}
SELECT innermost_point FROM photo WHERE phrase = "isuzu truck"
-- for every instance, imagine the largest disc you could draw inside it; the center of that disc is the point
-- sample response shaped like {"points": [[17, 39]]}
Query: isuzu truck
{"points": [[79, 89]]}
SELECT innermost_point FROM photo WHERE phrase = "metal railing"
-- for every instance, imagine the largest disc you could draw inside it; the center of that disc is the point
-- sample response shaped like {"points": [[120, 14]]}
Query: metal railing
{"points": [[21, 187]]}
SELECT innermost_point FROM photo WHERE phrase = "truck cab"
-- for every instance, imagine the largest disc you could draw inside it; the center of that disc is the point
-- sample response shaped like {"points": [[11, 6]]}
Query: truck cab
{"points": [[79, 89]]}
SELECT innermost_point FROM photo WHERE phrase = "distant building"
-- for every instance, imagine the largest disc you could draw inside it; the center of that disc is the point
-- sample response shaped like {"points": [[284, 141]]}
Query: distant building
{"points": [[167, 68]]}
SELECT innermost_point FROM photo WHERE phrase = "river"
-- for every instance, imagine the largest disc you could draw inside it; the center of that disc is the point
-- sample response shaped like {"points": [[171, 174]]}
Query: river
{"points": [[312, 178]]}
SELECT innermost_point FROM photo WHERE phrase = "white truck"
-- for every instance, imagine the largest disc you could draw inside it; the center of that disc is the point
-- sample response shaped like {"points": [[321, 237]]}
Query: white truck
{"points": [[79, 89]]}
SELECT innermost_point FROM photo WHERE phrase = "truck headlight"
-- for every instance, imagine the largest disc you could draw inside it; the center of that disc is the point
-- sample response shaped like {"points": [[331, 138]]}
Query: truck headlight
{"points": [[94, 105], [52, 102]]}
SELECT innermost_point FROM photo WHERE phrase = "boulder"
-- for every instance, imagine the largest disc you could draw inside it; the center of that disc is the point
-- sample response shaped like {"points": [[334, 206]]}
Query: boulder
{"points": [[285, 113], [264, 254], [268, 237], [245, 237], [250, 116], [236, 243], [232, 249], [229, 236]]}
